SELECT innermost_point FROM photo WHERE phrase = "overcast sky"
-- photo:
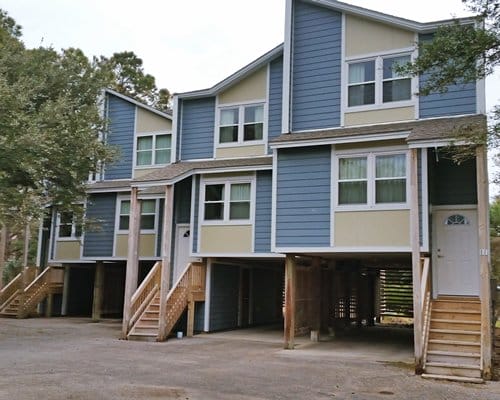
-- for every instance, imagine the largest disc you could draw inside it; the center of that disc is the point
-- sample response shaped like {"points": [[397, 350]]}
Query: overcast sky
{"points": [[187, 44]]}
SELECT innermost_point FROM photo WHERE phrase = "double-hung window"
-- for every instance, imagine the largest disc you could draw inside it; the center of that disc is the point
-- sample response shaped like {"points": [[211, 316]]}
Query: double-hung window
{"points": [[148, 215], [229, 201], [153, 149], [372, 179], [69, 228], [376, 82], [241, 124]]}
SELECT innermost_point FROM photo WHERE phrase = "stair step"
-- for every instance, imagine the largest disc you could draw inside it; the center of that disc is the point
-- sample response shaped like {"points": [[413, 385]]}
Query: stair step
{"points": [[455, 334], [453, 353], [452, 369], [456, 324], [452, 378], [453, 345], [454, 331]]}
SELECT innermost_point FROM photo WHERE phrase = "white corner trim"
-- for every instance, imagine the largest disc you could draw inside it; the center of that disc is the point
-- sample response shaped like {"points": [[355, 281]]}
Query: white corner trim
{"points": [[274, 190], [425, 201], [175, 124], [287, 68]]}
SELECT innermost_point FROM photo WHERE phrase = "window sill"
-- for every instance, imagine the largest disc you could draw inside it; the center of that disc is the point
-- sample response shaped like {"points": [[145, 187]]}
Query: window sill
{"points": [[69, 239], [151, 166], [240, 144], [142, 232], [241, 222], [383, 106], [377, 207]]}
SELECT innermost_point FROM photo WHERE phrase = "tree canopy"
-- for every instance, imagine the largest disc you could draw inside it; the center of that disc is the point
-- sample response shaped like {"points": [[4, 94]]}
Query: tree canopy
{"points": [[463, 53]]}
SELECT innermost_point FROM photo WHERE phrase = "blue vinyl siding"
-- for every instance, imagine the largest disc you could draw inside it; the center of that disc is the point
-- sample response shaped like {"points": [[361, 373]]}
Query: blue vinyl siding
{"points": [[197, 128], [303, 197], [275, 98], [458, 100], [100, 210], [121, 116], [196, 208], [262, 240], [316, 78], [224, 297]]}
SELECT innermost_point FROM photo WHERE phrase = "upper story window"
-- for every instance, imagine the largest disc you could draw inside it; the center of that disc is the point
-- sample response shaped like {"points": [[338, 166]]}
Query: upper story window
{"points": [[153, 149], [241, 124], [68, 227], [372, 180], [376, 82], [228, 201], [148, 215]]}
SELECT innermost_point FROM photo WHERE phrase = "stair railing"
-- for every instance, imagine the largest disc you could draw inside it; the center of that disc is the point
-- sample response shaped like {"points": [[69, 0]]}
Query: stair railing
{"points": [[426, 305], [145, 293], [39, 288], [10, 289]]}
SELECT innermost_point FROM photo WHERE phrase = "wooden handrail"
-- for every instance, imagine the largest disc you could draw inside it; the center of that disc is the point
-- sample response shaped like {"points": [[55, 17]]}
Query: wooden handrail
{"points": [[182, 281], [10, 288], [425, 283], [40, 278], [145, 293]]}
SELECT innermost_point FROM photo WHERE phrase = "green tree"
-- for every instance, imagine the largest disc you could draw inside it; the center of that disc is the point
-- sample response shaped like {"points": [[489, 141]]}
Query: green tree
{"points": [[495, 217], [459, 54], [50, 123], [127, 76]]}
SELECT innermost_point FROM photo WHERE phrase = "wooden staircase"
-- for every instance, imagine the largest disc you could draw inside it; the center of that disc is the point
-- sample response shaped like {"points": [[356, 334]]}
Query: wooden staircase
{"points": [[16, 302], [453, 347], [189, 288]]}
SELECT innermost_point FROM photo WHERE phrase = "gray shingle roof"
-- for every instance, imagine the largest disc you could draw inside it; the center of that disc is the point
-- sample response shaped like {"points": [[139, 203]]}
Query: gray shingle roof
{"points": [[428, 129], [178, 170]]}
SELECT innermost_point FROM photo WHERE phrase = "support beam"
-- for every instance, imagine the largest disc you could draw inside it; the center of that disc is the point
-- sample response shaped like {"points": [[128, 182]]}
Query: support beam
{"points": [[65, 293], [484, 261], [190, 317], [166, 254], [3, 250], [316, 294], [415, 261], [98, 291], [49, 305], [132, 259], [290, 300]]}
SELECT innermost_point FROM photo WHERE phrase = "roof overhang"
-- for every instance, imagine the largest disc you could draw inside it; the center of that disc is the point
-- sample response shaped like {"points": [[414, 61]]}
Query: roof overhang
{"points": [[234, 78], [420, 27]]}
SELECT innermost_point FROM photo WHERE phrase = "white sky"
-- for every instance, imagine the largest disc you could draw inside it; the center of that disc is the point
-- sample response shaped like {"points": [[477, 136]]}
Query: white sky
{"points": [[189, 44]]}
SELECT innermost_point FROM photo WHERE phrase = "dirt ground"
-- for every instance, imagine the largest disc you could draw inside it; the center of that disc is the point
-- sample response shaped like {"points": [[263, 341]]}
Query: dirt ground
{"points": [[77, 359]]}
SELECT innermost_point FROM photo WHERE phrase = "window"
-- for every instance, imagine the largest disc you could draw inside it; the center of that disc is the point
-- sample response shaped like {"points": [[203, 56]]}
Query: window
{"points": [[148, 215], [361, 83], [372, 179], [227, 201], [69, 228], [153, 149], [395, 87], [241, 124], [456, 219], [376, 82]]}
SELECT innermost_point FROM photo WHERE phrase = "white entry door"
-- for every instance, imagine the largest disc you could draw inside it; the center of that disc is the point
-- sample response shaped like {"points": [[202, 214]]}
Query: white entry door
{"points": [[182, 259], [456, 252]]}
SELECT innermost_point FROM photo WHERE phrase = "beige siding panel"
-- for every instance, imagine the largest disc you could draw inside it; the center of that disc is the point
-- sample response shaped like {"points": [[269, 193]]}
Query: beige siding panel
{"points": [[241, 151], [139, 173], [372, 228], [251, 88], [68, 250], [150, 122], [364, 37], [146, 245], [226, 239], [379, 116]]}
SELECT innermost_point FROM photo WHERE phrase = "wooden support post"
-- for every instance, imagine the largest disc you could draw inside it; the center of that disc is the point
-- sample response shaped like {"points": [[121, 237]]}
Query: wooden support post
{"points": [[166, 251], [415, 261], [65, 293], [316, 294], [3, 250], [49, 305], [484, 262], [190, 317], [290, 299], [132, 258], [98, 291]]}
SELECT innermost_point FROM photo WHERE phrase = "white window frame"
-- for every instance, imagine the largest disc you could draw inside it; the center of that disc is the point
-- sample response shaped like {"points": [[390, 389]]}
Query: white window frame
{"points": [[121, 199], [227, 182], [241, 124], [153, 149], [73, 236], [379, 80], [371, 180]]}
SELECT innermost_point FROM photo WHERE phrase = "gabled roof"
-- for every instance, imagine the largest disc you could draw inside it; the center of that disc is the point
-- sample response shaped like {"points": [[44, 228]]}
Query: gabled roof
{"points": [[443, 128], [177, 171], [420, 27], [236, 77], [138, 103]]}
